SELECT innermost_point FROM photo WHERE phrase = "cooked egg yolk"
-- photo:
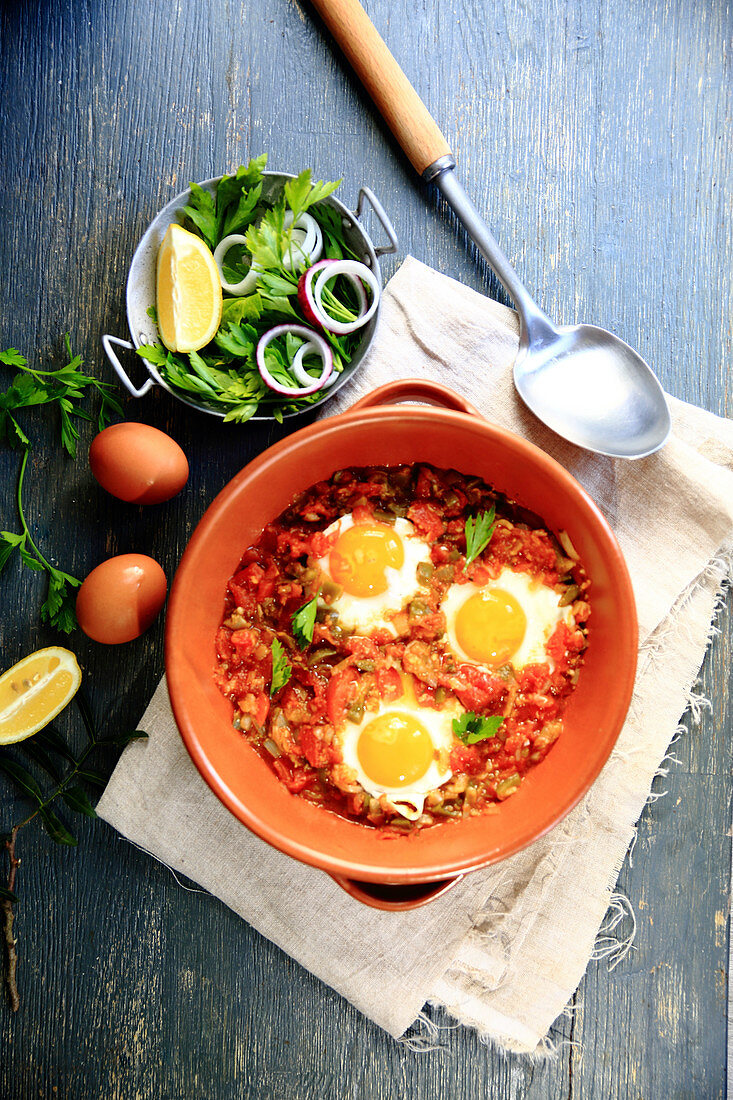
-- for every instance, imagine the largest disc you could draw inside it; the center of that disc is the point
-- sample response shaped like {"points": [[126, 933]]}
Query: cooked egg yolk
{"points": [[490, 626], [360, 556], [394, 749]]}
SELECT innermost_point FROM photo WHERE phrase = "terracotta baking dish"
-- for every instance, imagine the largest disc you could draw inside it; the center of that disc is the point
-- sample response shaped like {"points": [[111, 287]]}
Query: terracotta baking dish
{"points": [[403, 871]]}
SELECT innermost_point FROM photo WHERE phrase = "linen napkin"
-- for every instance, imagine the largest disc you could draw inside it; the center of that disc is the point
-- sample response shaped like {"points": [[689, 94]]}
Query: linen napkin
{"points": [[506, 948]]}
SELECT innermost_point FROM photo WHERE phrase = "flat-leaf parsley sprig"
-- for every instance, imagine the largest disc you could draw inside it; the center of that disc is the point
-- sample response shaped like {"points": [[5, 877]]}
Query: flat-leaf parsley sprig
{"points": [[64, 388], [479, 530], [304, 621], [282, 670], [471, 728]]}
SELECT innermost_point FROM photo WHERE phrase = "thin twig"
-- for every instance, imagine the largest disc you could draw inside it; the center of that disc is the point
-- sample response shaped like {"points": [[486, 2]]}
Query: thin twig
{"points": [[8, 918]]}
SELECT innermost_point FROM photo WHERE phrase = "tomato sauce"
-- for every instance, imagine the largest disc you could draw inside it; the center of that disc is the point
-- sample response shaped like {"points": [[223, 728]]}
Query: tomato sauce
{"points": [[338, 676]]}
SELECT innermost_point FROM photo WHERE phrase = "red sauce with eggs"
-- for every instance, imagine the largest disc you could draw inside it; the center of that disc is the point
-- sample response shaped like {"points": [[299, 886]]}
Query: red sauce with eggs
{"points": [[341, 676]]}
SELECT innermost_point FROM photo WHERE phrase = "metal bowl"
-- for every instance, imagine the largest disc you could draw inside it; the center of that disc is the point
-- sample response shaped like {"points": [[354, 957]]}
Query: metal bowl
{"points": [[141, 287]]}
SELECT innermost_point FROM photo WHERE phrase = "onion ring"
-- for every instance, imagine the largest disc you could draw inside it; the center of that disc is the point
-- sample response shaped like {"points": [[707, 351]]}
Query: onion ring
{"points": [[312, 310], [345, 267], [312, 338], [298, 369], [310, 247], [249, 282]]}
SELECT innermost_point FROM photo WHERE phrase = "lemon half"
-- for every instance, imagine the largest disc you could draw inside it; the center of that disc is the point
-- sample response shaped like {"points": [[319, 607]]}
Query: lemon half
{"points": [[188, 291], [35, 690]]}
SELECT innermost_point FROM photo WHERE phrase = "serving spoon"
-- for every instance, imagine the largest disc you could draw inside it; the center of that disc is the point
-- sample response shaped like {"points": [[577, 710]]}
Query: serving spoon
{"points": [[582, 381]]}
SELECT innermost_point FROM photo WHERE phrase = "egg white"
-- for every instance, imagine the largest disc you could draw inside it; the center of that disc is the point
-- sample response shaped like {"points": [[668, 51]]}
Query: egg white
{"points": [[540, 606], [407, 800], [364, 614]]}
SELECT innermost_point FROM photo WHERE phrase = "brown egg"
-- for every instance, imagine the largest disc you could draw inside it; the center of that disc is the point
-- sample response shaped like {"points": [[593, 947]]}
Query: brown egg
{"points": [[138, 463], [121, 598]]}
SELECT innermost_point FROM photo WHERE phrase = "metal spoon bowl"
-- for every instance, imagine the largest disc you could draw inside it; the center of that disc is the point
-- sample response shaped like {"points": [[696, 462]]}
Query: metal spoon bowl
{"points": [[582, 381]]}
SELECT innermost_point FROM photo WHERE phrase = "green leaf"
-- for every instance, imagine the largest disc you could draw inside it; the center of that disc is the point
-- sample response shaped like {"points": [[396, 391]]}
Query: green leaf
{"points": [[277, 286], [300, 193], [51, 739], [123, 738], [237, 310], [7, 895], [22, 778], [281, 668], [37, 753], [304, 620], [478, 533], [12, 358], [240, 414], [235, 341], [29, 560], [8, 542], [154, 353], [200, 211], [94, 778], [55, 827], [236, 218], [58, 610], [470, 727], [77, 799]]}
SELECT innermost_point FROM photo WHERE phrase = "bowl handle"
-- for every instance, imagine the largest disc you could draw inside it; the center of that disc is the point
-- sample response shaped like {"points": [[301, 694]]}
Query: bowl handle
{"points": [[366, 194], [107, 342], [416, 389], [398, 897]]}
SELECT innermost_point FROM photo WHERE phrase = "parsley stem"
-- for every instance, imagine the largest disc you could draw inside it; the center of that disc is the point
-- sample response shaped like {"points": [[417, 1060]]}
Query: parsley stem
{"points": [[39, 556]]}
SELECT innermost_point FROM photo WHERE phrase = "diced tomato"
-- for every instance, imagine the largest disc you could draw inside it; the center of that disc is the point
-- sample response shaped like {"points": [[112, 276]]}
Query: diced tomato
{"points": [[361, 647], [468, 759], [533, 677], [341, 692], [564, 642], [428, 626], [477, 689], [256, 704], [479, 575], [427, 519], [389, 684], [427, 485], [361, 514], [315, 750], [295, 779], [244, 640], [224, 647]]}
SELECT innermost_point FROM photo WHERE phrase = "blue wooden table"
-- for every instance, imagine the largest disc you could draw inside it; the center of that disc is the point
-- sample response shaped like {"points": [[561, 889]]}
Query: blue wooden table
{"points": [[596, 137]]}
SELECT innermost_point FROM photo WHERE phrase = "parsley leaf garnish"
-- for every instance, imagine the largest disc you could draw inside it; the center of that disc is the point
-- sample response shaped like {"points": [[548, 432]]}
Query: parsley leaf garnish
{"points": [[478, 533], [470, 727], [200, 210], [304, 620], [281, 667]]}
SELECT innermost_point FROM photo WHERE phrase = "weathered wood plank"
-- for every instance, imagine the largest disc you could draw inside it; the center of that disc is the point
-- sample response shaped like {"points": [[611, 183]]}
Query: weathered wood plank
{"points": [[596, 138]]}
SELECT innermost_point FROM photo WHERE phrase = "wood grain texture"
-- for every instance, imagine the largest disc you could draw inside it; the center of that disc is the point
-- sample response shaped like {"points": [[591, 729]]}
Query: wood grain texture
{"points": [[395, 98], [596, 138]]}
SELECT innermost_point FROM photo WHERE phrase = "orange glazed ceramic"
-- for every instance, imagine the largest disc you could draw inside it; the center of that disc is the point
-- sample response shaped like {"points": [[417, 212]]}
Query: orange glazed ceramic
{"points": [[385, 871]]}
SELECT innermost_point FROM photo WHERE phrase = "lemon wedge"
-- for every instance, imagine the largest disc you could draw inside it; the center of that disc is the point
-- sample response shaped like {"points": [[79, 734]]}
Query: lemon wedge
{"points": [[188, 291], [35, 690]]}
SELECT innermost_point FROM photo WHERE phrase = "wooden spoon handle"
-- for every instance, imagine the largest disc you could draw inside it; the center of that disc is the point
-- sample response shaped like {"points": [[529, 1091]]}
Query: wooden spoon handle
{"points": [[397, 101]]}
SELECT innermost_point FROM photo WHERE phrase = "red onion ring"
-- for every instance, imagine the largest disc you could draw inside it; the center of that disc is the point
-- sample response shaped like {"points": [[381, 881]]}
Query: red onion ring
{"points": [[348, 268], [318, 344], [314, 313]]}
